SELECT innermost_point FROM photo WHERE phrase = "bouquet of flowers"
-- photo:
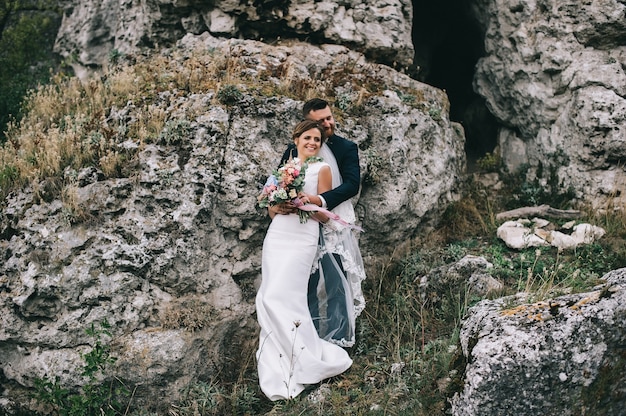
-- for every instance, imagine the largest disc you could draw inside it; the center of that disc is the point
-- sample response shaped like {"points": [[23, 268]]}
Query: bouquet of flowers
{"points": [[283, 185]]}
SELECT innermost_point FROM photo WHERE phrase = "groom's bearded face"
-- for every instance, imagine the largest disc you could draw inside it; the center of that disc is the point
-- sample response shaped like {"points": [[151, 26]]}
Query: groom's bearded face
{"points": [[325, 119]]}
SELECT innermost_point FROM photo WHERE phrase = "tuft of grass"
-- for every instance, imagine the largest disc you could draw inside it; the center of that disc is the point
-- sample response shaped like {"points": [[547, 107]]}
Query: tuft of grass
{"points": [[490, 162], [229, 95], [74, 213], [200, 398], [374, 166], [611, 217], [175, 131], [190, 314], [473, 215]]}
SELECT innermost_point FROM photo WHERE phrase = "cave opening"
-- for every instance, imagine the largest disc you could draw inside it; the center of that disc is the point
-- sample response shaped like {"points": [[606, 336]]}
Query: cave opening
{"points": [[448, 42]]}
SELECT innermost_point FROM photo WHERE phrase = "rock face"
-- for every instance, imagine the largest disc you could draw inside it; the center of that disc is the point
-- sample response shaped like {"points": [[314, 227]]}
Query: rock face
{"points": [[471, 271], [170, 255], [93, 29], [564, 356], [554, 75]]}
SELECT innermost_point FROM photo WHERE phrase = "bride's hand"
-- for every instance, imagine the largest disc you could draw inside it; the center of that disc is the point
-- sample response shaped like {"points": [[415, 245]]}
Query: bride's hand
{"points": [[282, 209]]}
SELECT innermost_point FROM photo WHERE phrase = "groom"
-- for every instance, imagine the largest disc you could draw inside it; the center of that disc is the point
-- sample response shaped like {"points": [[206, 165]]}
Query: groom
{"points": [[347, 156]]}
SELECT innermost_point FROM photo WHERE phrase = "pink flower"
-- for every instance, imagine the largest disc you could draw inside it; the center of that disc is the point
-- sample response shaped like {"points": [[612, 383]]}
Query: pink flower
{"points": [[284, 185]]}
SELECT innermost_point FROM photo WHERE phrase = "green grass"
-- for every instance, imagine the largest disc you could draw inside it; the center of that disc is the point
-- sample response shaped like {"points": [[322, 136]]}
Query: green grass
{"points": [[407, 359], [94, 397]]}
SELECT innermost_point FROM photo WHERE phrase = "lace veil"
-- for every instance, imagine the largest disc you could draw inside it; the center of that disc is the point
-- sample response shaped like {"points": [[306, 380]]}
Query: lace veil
{"points": [[338, 258]]}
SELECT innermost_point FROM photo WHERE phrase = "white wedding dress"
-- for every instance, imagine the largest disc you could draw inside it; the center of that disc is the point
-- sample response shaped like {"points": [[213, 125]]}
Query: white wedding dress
{"points": [[291, 355]]}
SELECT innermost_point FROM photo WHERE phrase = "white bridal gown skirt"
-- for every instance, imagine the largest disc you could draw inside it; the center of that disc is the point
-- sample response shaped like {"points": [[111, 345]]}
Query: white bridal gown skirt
{"points": [[291, 354]]}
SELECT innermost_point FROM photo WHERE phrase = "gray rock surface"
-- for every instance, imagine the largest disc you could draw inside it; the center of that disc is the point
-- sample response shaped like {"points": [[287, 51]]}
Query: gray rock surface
{"points": [[170, 255], [554, 77], [560, 356], [91, 30]]}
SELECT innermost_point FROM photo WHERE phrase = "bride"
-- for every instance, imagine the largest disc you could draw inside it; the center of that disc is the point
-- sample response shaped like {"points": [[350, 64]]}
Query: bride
{"points": [[291, 355]]}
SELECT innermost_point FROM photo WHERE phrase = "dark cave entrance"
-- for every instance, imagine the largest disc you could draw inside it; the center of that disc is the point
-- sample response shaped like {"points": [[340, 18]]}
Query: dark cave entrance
{"points": [[448, 42]]}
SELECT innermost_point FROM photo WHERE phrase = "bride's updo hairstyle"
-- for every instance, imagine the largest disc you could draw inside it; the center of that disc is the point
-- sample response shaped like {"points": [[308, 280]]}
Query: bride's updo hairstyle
{"points": [[306, 125]]}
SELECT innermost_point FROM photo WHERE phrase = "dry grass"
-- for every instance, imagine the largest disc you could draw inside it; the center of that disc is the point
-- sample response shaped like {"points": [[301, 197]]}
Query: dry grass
{"points": [[67, 122], [612, 216], [189, 314], [74, 212], [75, 124]]}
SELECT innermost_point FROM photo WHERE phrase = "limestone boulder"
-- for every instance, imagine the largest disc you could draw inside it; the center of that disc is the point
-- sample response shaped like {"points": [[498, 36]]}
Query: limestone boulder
{"points": [[95, 31], [553, 75], [559, 356], [170, 254]]}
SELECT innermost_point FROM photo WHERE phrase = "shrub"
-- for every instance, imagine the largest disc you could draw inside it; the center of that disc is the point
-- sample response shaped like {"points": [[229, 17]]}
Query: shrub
{"points": [[229, 95], [490, 162], [94, 397]]}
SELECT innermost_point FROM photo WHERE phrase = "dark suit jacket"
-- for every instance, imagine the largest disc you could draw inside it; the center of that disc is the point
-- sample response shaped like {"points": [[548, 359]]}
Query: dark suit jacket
{"points": [[347, 155]]}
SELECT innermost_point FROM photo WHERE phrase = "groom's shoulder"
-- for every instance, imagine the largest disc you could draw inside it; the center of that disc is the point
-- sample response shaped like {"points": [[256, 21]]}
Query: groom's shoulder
{"points": [[335, 136], [341, 141]]}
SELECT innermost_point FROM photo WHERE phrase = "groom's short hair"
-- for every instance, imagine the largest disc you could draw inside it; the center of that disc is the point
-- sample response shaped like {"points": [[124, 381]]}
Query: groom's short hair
{"points": [[313, 104]]}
